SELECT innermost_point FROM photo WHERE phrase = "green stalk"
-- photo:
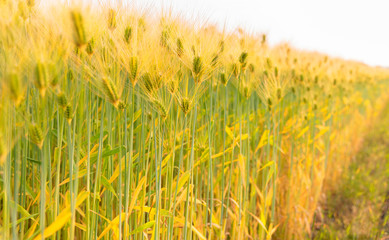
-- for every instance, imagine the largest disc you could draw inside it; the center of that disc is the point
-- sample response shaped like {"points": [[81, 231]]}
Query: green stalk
{"points": [[119, 136], [7, 185], [60, 129], [210, 164], [42, 195], [179, 172], [129, 167], [98, 173], [240, 153], [313, 147], [225, 123], [24, 169], [88, 167], [190, 167], [246, 199], [170, 178], [71, 186], [158, 170]]}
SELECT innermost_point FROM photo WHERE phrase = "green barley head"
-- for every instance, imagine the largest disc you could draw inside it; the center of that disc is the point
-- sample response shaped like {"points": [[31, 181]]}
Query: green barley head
{"points": [[235, 70], [164, 38], [172, 86], [30, 3], [36, 135], [180, 47], [68, 113], [279, 93], [16, 88], [251, 68], [215, 60], [246, 92], [161, 108], [62, 100], [223, 78], [78, 28], [90, 46], [269, 104], [121, 105], [147, 81], [185, 104], [243, 57], [134, 69], [110, 90], [111, 19], [197, 68], [268, 63], [41, 78], [221, 46], [128, 34]]}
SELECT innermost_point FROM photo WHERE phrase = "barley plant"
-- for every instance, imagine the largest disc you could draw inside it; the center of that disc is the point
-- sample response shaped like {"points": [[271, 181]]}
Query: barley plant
{"points": [[118, 123]]}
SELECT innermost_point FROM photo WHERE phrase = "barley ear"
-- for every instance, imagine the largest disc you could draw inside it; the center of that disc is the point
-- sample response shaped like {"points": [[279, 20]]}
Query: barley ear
{"points": [[79, 28], [36, 135]]}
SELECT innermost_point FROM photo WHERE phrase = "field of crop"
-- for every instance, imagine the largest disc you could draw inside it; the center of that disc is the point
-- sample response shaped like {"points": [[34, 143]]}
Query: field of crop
{"points": [[120, 124]]}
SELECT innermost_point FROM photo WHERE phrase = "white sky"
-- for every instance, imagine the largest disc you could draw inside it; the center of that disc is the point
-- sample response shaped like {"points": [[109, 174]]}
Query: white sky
{"points": [[351, 29]]}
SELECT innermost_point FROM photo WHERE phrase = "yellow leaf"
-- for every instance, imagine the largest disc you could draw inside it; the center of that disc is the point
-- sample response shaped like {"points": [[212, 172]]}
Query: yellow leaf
{"points": [[113, 223], [259, 221], [242, 169], [94, 148], [116, 172], [302, 132], [243, 137], [322, 131], [229, 133], [81, 174], [266, 165], [194, 229], [184, 177], [62, 218], [221, 153], [288, 125], [263, 140], [134, 198], [136, 193]]}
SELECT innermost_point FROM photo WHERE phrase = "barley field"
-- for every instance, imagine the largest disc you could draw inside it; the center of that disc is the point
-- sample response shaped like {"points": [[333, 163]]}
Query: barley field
{"points": [[125, 124]]}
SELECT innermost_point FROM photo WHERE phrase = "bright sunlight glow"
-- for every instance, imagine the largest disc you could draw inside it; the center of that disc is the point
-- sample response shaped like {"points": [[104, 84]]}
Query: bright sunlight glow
{"points": [[351, 29]]}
